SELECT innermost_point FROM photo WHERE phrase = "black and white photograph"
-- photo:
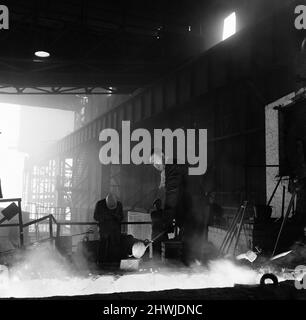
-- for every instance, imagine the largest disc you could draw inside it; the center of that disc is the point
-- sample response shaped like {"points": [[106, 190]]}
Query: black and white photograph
{"points": [[152, 158]]}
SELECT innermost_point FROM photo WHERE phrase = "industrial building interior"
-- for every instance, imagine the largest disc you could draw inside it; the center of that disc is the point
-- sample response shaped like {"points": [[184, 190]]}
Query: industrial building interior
{"points": [[72, 69]]}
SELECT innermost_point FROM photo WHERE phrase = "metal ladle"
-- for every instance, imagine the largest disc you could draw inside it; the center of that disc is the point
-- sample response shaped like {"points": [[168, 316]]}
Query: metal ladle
{"points": [[139, 248]]}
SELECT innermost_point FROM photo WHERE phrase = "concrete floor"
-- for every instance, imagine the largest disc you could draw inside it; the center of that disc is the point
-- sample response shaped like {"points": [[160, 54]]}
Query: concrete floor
{"points": [[283, 291]]}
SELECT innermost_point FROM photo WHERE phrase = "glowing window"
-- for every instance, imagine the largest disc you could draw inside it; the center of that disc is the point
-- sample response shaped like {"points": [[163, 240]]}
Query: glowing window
{"points": [[229, 27]]}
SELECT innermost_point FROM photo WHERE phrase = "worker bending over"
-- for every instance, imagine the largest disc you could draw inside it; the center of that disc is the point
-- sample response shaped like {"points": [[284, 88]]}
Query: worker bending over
{"points": [[108, 213]]}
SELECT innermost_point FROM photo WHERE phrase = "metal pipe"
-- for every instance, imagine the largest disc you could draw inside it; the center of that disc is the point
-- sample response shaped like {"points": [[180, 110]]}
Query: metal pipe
{"points": [[50, 227], [11, 200], [274, 191], [283, 201], [36, 221], [239, 229], [284, 222], [20, 224], [230, 231]]}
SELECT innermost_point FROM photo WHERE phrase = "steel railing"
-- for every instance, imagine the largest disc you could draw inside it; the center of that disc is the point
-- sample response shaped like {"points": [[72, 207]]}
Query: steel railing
{"points": [[51, 220]]}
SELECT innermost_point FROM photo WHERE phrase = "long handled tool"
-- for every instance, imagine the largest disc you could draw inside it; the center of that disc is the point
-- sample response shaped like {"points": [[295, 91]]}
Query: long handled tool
{"points": [[234, 230], [290, 206], [240, 225], [229, 232], [138, 250]]}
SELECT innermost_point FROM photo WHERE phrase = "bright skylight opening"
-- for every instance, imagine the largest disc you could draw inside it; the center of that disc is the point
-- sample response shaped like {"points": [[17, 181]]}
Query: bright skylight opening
{"points": [[229, 27]]}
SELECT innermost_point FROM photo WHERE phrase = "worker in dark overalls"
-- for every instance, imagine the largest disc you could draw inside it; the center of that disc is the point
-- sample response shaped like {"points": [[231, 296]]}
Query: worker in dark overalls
{"points": [[178, 205], [109, 214], [157, 228]]}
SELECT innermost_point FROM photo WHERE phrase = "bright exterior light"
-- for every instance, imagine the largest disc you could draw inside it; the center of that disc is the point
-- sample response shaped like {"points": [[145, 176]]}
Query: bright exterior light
{"points": [[42, 54], [110, 91], [229, 27]]}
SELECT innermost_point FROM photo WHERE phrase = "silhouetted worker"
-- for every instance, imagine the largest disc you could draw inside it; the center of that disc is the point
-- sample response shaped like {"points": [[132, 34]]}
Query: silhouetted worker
{"points": [[157, 227], [109, 214], [215, 211], [179, 205]]}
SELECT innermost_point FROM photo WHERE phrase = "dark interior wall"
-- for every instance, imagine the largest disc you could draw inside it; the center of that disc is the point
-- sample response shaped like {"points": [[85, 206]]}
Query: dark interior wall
{"points": [[224, 91], [234, 143]]}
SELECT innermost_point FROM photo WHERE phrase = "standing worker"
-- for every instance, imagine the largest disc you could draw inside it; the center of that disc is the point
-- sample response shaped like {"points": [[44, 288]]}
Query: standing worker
{"points": [[109, 214], [178, 205], [157, 228]]}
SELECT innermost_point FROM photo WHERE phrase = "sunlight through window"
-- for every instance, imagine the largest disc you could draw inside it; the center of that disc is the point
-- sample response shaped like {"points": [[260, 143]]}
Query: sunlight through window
{"points": [[229, 27]]}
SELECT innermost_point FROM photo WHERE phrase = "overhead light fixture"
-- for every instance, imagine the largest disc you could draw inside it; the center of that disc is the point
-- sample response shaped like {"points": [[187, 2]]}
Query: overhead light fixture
{"points": [[42, 54]]}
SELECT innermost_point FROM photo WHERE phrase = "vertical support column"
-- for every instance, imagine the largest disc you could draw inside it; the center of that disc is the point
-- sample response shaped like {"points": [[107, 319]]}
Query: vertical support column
{"points": [[50, 227], [21, 238], [58, 231], [272, 154], [58, 162]]}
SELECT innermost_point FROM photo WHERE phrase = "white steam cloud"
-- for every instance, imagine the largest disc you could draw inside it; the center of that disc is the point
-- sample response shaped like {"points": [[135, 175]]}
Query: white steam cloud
{"points": [[45, 273]]}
